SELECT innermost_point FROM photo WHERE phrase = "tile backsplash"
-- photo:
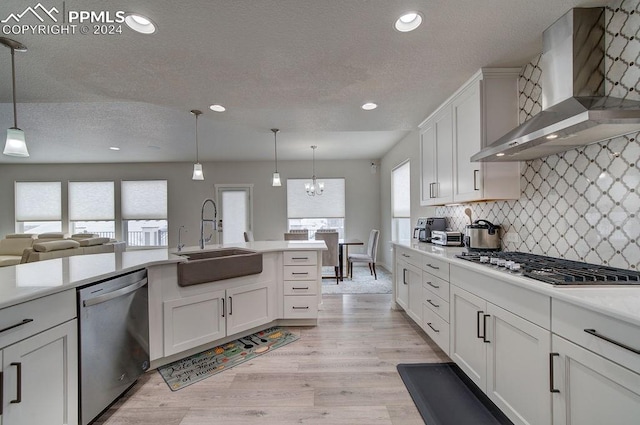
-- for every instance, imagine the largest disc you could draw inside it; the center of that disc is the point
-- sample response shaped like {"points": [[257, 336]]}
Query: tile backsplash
{"points": [[582, 204]]}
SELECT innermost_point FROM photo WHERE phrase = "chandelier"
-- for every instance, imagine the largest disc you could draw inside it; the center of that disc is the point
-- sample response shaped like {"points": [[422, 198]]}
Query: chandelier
{"points": [[315, 187]]}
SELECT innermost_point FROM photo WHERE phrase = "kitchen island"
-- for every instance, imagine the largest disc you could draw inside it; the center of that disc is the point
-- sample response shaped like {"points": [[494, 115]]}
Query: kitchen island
{"points": [[543, 354]]}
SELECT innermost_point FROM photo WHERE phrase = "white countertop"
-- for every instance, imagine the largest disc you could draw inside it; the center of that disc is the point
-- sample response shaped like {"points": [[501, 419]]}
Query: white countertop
{"points": [[29, 281], [620, 302]]}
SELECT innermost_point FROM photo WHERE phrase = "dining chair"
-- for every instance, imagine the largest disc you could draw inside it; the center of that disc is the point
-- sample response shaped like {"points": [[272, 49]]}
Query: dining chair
{"points": [[369, 257], [330, 256], [248, 236], [296, 236]]}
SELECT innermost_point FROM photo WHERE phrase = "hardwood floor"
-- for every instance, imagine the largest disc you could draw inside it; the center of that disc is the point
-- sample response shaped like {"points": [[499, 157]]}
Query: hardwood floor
{"points": [[342, 372]]}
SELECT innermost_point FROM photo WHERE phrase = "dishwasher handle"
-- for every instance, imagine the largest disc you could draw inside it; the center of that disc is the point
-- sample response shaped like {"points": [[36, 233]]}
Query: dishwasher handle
{"points": [[114, 294]]}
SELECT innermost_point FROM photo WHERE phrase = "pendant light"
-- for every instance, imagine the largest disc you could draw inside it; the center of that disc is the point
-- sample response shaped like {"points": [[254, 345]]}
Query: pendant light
{"points": [[16, 144], [315, 187], [275, 181], [197, 167]]}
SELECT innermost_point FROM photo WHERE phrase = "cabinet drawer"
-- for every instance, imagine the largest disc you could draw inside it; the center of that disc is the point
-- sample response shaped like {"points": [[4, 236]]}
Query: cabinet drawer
{"points": [[292, 258], [571, 322], [300, 273], [300, 287], [301, 307], [436, 304], [436, 327], [436, 267], [23, 320], [409, 256], [438, 286]]}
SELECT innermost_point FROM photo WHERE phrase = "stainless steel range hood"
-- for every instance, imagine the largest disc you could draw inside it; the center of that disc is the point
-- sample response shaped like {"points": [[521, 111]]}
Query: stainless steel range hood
{"points": [[576, 111]]}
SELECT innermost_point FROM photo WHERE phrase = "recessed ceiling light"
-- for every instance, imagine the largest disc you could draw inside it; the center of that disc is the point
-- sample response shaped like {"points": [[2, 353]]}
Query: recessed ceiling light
{"points": [[114, 148], [140, 23], [552, 136], [369, 106], [408, 21], [217, 108]]}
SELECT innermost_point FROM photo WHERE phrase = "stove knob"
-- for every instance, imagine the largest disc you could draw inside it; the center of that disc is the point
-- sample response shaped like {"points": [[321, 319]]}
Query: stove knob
{"points": [[494, 260], [484, 259], [508, 264], [502, 262], [515, 267]]}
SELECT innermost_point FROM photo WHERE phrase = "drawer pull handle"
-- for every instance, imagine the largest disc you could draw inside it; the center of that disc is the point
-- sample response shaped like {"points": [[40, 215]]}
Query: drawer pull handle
{"points": [[299, 258], [478, 325], [1, 391], [305, 287], [433, 267], [19, 389], [24, 322], [300, 308], [484, 322], [405, 255], [612, 341], [435, 305], [433, 286], [299, 273], [551, 384], [434, 329]]}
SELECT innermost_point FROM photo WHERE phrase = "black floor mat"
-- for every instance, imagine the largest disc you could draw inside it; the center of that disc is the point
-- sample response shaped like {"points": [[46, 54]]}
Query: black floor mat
{"points": [[444, 395]]}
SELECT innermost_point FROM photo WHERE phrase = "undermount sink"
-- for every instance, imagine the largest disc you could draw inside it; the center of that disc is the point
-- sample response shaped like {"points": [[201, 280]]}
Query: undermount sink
{"points": [[210, 266]]}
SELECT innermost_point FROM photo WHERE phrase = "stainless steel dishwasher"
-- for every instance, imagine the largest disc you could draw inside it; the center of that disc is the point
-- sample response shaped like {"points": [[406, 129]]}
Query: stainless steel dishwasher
{"points": [[114, 340]]}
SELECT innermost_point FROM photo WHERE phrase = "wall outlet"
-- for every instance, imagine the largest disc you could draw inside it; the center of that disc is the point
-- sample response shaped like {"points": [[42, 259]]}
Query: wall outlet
{"points": [[512, 237]]}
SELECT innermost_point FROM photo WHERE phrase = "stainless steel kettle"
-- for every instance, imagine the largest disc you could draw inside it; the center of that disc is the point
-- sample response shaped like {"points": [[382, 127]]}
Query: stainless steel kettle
{"points": [[482, 235]]}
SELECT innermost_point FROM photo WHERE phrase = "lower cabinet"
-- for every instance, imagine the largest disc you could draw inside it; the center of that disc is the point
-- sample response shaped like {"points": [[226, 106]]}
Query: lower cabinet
{"points": [[409, 289], [199, 319], [588, 389], [504, 354], [40, 378]]}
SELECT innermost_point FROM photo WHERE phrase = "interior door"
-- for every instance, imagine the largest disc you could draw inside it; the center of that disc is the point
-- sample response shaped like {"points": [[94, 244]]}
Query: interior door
{"points": [[235, 215]]}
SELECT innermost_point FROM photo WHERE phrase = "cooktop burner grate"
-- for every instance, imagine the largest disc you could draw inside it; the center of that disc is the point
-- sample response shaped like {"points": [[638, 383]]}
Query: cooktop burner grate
{"points": [[555, 271]]}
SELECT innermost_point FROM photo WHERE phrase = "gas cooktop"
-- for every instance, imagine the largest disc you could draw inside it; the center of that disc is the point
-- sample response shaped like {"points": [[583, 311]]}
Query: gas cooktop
{"points": [[555, 271]]}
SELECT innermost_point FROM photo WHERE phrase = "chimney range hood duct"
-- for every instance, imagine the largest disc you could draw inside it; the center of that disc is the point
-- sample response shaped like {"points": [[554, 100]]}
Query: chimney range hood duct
{"points": [[575, 111]]}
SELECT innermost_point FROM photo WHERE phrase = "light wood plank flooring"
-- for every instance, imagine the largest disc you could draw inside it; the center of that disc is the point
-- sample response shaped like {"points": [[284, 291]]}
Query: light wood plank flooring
{"points": [[342, 372]]}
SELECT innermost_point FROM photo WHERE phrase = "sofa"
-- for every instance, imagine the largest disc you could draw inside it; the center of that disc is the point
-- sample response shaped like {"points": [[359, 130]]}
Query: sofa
{"points": [[27, 248], [12, 247]]}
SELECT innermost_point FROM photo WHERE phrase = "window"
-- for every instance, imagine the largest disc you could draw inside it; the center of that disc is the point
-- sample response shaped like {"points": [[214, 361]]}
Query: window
{"points": [[38, 207], [144, 213], [316, 212], [92, 208], [401, 202]]}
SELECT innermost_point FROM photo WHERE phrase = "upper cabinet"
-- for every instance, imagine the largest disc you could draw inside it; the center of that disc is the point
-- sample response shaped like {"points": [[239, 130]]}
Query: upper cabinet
{"points": [[478, 113]]}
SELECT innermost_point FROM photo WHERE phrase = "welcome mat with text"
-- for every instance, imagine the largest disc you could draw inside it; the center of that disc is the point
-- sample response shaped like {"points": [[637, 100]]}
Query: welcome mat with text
{"points": [[197, 367]]}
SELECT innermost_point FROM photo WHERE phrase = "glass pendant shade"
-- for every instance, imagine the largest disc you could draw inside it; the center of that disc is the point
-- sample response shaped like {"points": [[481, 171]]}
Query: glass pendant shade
{"points": [[197, 172], [275, 182], [315, 187], [16, 144]]}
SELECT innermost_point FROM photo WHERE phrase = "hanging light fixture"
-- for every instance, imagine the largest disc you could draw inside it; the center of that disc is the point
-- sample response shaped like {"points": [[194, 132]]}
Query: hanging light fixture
{"points": [[197, 167], [315, 187], [16, 144], [275, 181]]}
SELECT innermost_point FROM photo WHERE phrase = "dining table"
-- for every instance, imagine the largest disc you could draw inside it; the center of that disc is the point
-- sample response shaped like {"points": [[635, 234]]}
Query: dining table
{"points": [[343, 253]]}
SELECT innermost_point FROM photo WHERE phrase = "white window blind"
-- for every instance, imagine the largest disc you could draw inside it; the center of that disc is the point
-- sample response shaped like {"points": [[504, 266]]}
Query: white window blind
{"points": [[38, 201], [331, 204], [144, 200], [91, 201], [401, 191]]}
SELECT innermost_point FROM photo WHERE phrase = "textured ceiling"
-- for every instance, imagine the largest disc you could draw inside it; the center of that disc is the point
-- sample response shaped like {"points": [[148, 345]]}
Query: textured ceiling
{"points": [[304, 66]]}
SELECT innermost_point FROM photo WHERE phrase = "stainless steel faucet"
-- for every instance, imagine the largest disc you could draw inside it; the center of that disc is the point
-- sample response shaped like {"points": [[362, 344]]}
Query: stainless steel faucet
{"points": [[213, 222], [180, 244]]}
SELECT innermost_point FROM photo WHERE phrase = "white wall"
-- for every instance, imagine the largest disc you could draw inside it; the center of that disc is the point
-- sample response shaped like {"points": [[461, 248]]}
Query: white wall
{"points": [[407, 148], [186, 196]]}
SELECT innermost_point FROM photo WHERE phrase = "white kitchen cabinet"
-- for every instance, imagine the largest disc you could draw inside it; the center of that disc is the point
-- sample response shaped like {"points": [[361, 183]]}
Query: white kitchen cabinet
{"points": [[40, 378], [39, 361], [436, 158], [302, 284], [478, 113], [408, 281], [591, 390], [202, 318], [503, 354], [402, 285]]}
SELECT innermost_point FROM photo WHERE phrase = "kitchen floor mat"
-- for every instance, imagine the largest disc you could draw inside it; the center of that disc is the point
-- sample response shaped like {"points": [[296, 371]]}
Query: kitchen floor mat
{"points": [[197, 367], [444, 395]]}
